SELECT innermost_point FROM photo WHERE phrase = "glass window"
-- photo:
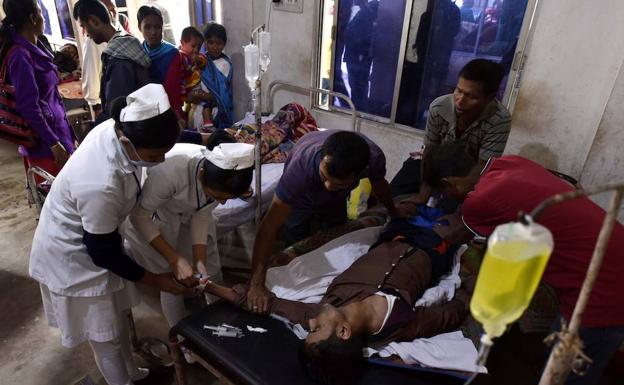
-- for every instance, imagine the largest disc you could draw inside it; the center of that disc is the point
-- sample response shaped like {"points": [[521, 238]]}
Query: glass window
{"points": [[442, 36], [367, 46], [57, 19], [47, 27], [203, 12], [65, 21]]}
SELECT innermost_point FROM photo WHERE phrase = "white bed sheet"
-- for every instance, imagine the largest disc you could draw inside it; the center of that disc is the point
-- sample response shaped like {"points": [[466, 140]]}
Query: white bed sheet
{"points": [[235, 212]]}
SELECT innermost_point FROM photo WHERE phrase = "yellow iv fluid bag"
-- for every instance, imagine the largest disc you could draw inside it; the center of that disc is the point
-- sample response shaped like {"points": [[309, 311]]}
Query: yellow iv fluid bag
{"points": [[512, 268]]}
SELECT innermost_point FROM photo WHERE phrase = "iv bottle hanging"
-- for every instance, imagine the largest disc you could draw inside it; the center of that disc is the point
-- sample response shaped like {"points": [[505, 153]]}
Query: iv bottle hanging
{"points": [[512, 268], [252, 66], [264, 42]]}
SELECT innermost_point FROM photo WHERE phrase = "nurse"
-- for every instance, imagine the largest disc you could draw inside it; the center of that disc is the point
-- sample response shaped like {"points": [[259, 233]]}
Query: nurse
{"points": [[173, 219], [86, 279]]}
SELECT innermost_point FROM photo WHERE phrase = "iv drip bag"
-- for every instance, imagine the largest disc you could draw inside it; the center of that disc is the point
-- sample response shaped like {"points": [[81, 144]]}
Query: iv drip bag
{"points": [[264, 41], [252, 67]]}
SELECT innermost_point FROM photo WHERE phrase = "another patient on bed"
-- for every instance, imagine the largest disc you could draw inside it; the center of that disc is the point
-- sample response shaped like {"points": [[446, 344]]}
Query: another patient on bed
{"points": [[372, 302]]}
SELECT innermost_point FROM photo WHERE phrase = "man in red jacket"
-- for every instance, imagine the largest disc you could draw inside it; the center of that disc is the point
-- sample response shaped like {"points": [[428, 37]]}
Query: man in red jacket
{"points": [[495, 193]]}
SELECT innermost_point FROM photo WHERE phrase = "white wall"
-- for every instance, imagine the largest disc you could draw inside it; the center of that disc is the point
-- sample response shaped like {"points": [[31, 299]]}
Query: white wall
{"points": [[237, 19], [605, 163], [568, 113], [573, 61]]}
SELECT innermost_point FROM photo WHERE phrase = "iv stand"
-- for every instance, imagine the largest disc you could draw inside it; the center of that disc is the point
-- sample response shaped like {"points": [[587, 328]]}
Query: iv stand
{"points": [[258, 136], [568, 349], [257, 150]]}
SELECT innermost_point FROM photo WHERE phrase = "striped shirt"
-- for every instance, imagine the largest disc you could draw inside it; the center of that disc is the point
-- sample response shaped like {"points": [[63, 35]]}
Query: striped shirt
{"points": [[486, 136]]}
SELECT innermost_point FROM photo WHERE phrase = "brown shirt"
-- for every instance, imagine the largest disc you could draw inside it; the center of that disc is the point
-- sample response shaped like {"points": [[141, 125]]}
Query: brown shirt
{"points": [[394, 268]]}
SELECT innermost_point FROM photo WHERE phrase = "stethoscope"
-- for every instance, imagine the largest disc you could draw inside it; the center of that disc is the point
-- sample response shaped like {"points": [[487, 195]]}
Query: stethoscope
{"points": [[136, 179], [209, 201]]}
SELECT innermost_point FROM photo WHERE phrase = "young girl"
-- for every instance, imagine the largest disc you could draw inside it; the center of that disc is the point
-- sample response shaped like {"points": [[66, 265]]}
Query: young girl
{"points": [[172, 222], [166, 68], [217, 75]]}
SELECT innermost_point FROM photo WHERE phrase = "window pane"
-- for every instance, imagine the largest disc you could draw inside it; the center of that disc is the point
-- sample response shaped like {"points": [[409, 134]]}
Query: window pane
{"points": [[368, 41], [47, 28], [445, 37], [64, 16], [203, 12]]}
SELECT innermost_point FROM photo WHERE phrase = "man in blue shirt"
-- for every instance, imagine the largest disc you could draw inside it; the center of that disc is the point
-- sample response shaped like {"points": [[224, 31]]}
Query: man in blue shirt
{"points": [[319, 174]]}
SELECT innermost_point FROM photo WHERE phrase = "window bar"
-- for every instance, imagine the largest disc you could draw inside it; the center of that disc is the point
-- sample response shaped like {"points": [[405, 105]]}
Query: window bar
{"points": [[330, 99], [515, 74], [407, 16]]}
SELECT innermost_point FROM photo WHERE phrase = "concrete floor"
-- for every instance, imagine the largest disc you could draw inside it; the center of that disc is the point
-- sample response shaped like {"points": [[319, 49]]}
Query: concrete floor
{"points": [[31, 350]]}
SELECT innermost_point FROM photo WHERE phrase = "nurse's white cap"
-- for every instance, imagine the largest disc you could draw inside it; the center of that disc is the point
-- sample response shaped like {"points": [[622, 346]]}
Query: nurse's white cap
{"points": [[147, 102], [231, 156]]}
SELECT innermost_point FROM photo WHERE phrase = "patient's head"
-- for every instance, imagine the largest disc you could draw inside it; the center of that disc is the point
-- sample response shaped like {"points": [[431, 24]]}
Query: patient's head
{"points": [[345, 156], [332, 354]]}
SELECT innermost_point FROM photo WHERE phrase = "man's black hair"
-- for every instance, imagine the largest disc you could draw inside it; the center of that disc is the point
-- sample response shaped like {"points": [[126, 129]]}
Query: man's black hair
{"points": [[445, 161], [488, 73], [349, 154], [215, 29], [334, 361], [86, 8], [190, 32], [149, 10]]}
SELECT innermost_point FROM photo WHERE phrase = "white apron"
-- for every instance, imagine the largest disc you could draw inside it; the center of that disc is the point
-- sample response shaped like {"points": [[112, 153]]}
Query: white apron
{"points": [[95, 191], [172, 191]]}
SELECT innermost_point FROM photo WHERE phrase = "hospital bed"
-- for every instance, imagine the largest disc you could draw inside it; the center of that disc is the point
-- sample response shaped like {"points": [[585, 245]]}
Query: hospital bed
{"points": [[270, 357]]}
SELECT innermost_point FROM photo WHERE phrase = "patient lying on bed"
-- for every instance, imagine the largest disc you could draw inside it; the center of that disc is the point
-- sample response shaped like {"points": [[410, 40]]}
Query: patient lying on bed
{"points": [[372, 302]]}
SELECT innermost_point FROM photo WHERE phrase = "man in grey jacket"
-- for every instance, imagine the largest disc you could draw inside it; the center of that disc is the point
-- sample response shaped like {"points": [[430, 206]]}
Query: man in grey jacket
{"points": [[124, 63]]}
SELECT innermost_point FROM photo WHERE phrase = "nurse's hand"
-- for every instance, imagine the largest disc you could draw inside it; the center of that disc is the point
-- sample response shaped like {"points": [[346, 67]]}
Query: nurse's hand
{"points": [[60, 154], [166, 282], [182, 270], [200, 268], [258, 299]]}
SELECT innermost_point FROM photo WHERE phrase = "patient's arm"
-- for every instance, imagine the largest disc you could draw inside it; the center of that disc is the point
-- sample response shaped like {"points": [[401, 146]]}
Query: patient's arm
{"points": [[433, 320], [235, 295], [295, 311], [266, 237], [381, 189], [456, 232]]}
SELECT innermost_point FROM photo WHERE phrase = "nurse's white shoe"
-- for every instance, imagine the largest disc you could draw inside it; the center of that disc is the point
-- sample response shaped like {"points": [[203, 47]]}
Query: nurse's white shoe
{"points": [[187, 355], [139, 374]]}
